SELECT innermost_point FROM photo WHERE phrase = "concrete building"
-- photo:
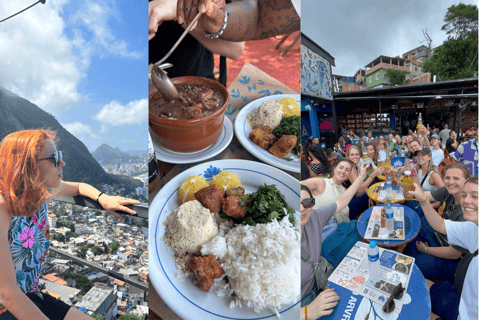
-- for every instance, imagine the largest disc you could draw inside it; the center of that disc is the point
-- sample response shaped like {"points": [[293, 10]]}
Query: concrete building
{"points": [[52, 220], [64, 292], [81, 228], [143, 191], [100, 300]]}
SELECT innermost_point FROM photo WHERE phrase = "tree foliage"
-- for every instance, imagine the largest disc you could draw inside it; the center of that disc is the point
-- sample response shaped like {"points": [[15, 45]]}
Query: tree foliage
{"points": [[129, 316], [82, 282], [396, 76], [461, 20], [97, 316], [114, 246], [457, 57]]}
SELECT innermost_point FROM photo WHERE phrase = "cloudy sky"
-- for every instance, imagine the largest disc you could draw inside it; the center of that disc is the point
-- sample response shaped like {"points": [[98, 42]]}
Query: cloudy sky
{"points": [[85, 62], [357, 32]]}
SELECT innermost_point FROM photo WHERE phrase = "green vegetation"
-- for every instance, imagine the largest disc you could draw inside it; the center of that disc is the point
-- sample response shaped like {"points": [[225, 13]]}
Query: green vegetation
{"points": [[82, 282], [457, 57], [114, 246], [98, 317], [396, 76], [289, 126], [129, 316]]}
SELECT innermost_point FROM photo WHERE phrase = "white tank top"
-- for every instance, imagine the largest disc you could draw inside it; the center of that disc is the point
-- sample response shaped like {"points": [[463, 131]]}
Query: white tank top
{"points": [[329, 196], [426, 186]]}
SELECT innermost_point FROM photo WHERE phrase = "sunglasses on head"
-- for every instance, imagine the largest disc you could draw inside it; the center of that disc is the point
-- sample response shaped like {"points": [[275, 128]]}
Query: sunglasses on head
{"points": [[57, 157], [308, 202], [397, 293]]}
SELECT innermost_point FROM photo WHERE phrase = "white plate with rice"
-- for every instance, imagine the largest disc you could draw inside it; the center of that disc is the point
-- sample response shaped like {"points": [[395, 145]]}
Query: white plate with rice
{"points": [[179, 292], [242, 129]]}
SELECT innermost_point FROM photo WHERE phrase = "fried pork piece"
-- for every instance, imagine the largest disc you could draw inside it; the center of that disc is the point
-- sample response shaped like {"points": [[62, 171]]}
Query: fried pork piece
{"points": [[231, 207], [206, 269], [211, 197], [262, 136], [283, 146], [235, 192]]}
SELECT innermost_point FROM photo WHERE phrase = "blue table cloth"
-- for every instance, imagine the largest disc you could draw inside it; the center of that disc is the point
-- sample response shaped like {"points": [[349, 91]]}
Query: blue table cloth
{"points": [[417, 305]]}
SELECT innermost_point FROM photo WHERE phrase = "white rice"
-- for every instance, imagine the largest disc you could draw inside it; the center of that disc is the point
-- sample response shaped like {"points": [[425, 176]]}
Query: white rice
{"points": [[262, 264], [268, 113]]}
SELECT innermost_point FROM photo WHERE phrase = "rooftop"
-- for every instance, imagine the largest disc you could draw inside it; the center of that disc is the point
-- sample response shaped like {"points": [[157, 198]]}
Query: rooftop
{"points": [[94, 298], [62, 290]]}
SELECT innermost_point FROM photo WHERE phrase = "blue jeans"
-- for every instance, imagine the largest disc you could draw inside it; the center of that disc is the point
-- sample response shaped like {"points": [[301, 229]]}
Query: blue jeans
{"points": [[357, 206], [433, 268], [445, 300]]}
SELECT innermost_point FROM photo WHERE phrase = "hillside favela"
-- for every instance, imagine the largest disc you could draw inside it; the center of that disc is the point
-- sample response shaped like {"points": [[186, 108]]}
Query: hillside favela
{"points": [[96, 262]]}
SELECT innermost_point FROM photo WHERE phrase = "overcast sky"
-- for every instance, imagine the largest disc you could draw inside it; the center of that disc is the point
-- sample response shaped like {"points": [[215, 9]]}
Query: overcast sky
{"points": [[83, 61], [357, 32]]}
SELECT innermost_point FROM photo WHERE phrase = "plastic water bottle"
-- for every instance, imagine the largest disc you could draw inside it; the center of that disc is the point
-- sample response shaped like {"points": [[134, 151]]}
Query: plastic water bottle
{"points": [[389, 194], [389, 219], [373, 262]]}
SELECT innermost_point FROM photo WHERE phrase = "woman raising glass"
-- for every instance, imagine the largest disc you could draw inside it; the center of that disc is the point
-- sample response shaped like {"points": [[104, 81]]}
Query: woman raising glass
{"points": [[360, 202], [433, 255], [30, 176]]}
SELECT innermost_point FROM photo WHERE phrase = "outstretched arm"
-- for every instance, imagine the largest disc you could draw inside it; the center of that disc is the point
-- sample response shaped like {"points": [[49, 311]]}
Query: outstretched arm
{"points": [[346, 197], [109, 203], [248, 20], [432, 216]]}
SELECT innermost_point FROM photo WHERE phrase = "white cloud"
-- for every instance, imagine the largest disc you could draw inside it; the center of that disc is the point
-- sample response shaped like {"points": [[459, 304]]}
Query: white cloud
{"points": [[45, 51], [114, 114], [78, 128]]}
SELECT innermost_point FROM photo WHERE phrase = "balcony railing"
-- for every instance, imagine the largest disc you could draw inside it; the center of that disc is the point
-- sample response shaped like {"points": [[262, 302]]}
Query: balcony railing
{"points": [[114, 274]]}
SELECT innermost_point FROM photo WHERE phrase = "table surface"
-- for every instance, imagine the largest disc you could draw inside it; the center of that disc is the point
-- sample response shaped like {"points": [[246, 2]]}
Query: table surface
{"points": [[416, 305], [412, 226], [239, 97], [372, 193]]}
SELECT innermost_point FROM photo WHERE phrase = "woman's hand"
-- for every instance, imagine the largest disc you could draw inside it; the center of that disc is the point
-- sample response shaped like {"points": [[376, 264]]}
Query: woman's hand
{"points": [[158, 12], [323, 304], [421, 246], [378, 171], [213, 13], [418, 193], [113, 203], [363, 170]]}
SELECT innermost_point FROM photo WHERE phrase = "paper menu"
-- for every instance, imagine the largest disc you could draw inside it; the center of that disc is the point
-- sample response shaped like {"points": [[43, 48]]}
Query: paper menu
{"points": [[352, 273], [376, 232]]}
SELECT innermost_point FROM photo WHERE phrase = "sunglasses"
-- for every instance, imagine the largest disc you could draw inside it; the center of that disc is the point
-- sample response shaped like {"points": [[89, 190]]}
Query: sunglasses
{"points": [[308, 202], [397, 293], [57, 157]]}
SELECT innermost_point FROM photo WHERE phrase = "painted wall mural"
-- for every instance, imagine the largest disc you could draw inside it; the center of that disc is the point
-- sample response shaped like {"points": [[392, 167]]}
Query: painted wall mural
{"points": [[315, 75]]}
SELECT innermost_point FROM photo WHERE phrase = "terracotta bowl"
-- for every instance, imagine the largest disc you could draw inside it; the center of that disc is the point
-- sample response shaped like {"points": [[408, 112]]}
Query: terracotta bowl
{"points": [[191, 134]]}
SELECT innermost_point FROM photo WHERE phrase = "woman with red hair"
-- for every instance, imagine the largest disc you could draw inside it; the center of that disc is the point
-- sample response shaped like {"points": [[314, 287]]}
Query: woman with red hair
{"points": [[30, 176]]}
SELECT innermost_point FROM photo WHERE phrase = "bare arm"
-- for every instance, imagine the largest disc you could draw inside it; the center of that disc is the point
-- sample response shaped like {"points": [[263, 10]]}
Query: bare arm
{"points": [[346, 197], [248, 19], [436, 180], [225, 48], [316, 185], [109, 203], [10, 295], [444, 252], [432, 216]]}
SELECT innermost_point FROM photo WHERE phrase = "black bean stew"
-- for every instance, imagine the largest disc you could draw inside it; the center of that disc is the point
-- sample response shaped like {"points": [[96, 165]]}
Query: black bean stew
{"points": [[195, 101]]}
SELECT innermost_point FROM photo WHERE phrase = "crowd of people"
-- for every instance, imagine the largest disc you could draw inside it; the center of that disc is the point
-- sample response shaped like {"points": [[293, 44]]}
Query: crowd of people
{"points": [[445, 171]]}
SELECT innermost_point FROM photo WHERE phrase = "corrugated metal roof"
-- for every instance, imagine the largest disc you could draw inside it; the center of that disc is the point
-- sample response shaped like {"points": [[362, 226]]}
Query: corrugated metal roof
{"points": [[63, 290]]}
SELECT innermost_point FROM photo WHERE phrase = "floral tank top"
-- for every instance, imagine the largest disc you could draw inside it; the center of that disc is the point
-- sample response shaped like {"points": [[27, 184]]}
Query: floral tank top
{"points": [[29, 239]]}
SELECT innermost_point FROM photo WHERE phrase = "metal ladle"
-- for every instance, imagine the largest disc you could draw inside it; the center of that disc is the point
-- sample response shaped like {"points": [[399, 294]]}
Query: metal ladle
{"points": [[159, 78]]}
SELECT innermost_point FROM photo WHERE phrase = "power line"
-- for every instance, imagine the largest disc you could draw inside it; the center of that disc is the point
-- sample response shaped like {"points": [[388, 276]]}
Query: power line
{"points": [[42, 1]]}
